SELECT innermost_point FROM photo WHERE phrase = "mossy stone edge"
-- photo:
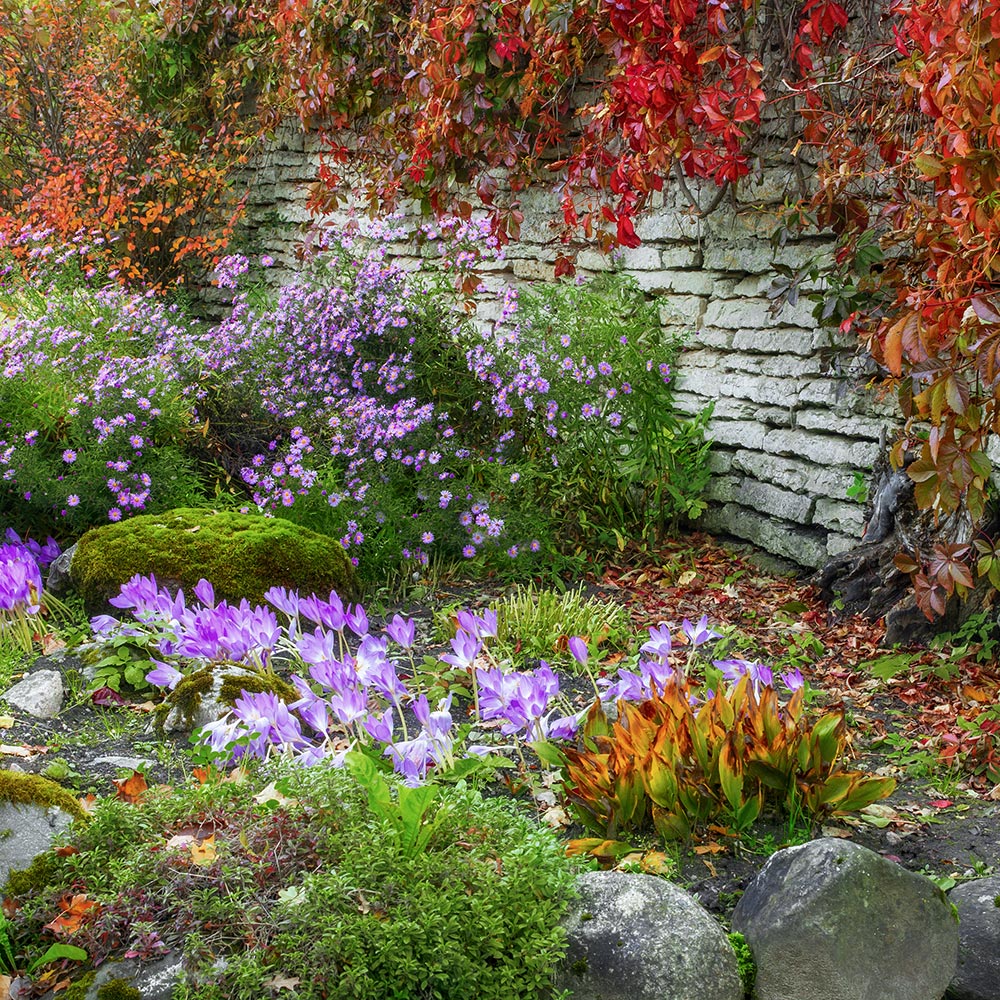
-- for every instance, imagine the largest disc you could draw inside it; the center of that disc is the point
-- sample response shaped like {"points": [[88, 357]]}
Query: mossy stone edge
{"points": [[242, 556]]}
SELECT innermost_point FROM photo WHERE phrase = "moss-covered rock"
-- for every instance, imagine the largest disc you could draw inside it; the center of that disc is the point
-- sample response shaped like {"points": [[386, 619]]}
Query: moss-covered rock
{"points": [[34, 790], [201, 697], [242, 555]]}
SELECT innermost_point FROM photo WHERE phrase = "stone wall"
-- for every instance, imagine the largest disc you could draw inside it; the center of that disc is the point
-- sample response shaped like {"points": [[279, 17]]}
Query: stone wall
{"points": [[791, 425]]}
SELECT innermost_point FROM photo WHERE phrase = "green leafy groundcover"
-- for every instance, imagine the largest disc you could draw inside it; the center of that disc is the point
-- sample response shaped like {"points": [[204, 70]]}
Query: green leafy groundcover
{"points": [[315, 886]]}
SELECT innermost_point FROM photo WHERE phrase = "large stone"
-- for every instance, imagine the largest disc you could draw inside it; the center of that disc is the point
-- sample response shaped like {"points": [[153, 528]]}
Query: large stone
{"points": [[242, 555], [39, 694], [831, 920], [32, 811], [637, 937], [978, 973]]}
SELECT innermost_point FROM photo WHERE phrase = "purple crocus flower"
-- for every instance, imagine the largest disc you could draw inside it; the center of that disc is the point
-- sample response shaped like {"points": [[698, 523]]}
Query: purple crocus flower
{"points": [[660, 642], [357, 620], [465, 648], [402, 631], [579, 650], [700, 633], [284, 600], [793, 679], [164, 675], [411, 758], [329, 614], [380, 727], [205, 593]]}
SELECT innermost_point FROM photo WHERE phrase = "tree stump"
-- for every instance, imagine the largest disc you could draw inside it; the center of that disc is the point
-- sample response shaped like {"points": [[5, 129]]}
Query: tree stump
{"points": [[865, 581]]}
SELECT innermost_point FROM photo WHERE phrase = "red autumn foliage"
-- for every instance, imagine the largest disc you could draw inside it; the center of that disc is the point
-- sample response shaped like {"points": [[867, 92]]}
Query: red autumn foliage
{"points": [[83, 151]]}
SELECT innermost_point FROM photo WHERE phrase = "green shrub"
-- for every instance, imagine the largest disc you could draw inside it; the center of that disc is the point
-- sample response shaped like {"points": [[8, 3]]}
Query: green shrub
{"points": [[317, 880]]}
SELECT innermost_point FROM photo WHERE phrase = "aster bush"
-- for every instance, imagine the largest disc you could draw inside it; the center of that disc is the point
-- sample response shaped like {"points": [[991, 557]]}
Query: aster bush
{"points": [[581, 379], [356, 400], [97, 393]]}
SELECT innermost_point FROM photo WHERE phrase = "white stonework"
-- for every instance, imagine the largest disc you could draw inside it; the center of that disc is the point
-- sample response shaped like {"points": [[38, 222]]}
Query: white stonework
{"points": [[791, 425]]}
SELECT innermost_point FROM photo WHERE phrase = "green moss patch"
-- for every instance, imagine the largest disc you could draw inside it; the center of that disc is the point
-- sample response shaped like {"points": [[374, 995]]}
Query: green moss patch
{"points": [[242, 555], [34, 790]]}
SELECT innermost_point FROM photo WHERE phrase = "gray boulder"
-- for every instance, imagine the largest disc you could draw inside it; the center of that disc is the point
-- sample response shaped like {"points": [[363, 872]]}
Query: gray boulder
{"points": [[638, 937], [831, 920], [978, 974], [39, 694], [205, 706], [27, 830]]}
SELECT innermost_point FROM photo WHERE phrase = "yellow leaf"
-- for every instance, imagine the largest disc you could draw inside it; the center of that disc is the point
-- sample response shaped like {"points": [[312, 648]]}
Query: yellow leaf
{"points": [[203, 852], [6, 721]]}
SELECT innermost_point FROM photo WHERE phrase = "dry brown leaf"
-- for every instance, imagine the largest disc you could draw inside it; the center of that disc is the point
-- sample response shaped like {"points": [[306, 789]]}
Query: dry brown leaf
{"points": [[74, 909], [710, 848], [13, 751], [132, 788], [271, 794], [282, 982], [4, 987], [836, 831], [556, 817]]}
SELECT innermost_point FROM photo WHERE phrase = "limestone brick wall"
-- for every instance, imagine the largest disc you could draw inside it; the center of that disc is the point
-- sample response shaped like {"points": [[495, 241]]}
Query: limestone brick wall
{"points": [[791, 425]]}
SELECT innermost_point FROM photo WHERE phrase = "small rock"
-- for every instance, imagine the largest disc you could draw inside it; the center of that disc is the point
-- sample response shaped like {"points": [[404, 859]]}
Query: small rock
{"points": [[978, 973], [30, 830], [59, 577], [127, 763], [831, 920], [210, 706], [638, 937], [40, 694]]}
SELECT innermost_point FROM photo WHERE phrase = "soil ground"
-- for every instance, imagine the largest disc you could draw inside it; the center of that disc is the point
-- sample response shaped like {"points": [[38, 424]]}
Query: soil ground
{"points": [[943, 818]]}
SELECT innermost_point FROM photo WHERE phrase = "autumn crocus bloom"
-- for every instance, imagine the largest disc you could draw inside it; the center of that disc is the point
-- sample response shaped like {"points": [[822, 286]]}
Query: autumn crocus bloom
{"points": [[700, 633]]}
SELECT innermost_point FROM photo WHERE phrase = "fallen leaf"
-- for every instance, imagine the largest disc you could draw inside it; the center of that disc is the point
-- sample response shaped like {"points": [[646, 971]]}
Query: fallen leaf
{"points": [[710, 848], [4, 987], [67, 851], [711, 868], [74, 909], [271, 794], [940, 803], [132, 788], [142, 707], [6, 721], [556, 817], [282, 982], [203, 852], [12, 751], [51, 643], [657, 863], [836, 831], [64, 984], [180, 840], [88, 802]]}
